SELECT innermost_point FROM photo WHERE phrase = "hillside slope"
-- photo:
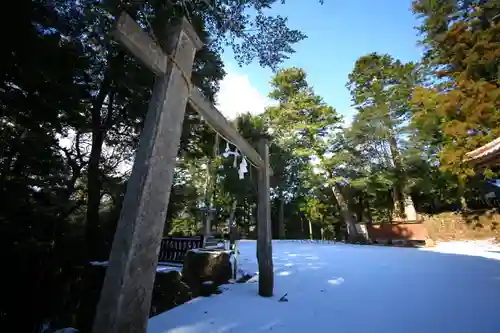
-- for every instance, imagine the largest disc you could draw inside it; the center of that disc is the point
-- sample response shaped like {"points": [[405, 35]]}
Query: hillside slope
{"points": [[468, 226]]}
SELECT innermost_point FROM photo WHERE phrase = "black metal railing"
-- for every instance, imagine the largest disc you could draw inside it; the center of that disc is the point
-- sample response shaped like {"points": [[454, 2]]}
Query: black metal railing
{"points": [[173, 249]]}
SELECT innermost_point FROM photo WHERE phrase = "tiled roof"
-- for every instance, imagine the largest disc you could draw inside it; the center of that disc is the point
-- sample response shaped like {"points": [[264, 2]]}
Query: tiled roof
{"points": [[484, 151]]}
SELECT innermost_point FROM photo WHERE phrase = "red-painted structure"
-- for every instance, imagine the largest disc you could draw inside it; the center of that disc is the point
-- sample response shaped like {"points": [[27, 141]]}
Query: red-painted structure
{"points": [[384, 232]]}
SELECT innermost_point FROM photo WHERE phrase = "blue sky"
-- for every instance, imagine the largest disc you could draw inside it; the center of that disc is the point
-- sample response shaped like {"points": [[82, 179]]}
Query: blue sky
{"points": [[339, 32]]}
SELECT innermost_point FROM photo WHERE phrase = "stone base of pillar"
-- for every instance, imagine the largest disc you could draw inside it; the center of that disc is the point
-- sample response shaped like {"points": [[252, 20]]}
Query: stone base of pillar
{"points": [[201, 266]]}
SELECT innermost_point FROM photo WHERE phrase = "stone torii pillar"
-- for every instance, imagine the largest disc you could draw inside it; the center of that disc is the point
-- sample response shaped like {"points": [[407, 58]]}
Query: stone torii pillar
{"points": [[126, 294]]}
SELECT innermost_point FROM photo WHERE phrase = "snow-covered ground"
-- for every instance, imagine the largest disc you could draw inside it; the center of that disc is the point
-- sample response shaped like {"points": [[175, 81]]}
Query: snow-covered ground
{"points": [[350, 288]]}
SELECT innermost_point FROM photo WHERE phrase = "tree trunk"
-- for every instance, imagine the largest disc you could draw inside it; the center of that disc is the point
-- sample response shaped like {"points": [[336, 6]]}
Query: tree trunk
{"points": [[403, 203], [254, 219], [338, 232], [210, 187], [310, 229], [345, 213], [206, 216], [93, 174], [281, 219], [397, 190], [247, 218], [397, 211], [369, 218], [361, 209], [301, 225], [5, 172], [463, 203], [233, 211], [6, 156], [461, 191]]}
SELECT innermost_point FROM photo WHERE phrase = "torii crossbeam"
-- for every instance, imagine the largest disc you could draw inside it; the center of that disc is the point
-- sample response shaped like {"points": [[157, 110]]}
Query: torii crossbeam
{"points": [[126, 294]]}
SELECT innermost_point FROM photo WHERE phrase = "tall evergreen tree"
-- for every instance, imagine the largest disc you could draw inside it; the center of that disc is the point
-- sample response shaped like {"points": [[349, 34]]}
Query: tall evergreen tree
{"points": [[381, 88], [462, 39], [304, 122]]}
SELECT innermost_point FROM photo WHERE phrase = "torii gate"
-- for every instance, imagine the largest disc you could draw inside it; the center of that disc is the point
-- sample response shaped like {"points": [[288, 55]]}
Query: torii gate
{"points": [[126, 294]]}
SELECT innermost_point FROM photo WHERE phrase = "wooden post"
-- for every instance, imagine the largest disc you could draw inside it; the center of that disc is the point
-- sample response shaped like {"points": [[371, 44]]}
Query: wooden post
{"points": [[235, 251], [126, 294], [233, 244], [264, 241]]}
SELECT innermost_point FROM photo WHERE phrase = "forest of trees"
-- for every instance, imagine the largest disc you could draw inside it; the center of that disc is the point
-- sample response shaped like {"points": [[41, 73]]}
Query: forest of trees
{"points": [[73, 102]]}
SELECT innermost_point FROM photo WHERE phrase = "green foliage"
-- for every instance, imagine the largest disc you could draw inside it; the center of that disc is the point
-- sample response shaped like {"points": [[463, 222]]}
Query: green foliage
{"points": [[301, 118], [305, 124], [184, 226], [381, 88], [462, 48]]}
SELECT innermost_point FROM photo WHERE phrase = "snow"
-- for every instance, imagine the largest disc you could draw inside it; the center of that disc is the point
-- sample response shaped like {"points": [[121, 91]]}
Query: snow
{"points": [[354, 289], [168, 268], [212, 249], [67, 330]]}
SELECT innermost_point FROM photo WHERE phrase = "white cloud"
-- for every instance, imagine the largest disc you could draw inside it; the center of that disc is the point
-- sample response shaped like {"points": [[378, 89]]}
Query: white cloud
{"points": [[237, 96], [349, 118]]}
